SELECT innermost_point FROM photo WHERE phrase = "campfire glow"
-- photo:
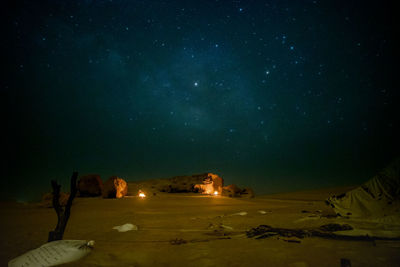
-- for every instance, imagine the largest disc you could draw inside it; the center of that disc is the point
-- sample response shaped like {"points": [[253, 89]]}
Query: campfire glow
{"points": [[212, 185], [141, 194]]}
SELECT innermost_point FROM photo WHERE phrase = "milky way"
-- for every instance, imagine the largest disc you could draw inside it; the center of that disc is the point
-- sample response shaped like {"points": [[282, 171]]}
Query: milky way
{"points": [[277, 95]]}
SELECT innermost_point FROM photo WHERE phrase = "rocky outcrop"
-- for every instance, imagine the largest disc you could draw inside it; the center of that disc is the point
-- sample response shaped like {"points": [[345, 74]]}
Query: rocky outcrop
{"points": [[234, 191], [231, 191], [115, 187], [211, 184], [90, 186], [177, 184], [247, 192], [47, 200], [182, 184]]}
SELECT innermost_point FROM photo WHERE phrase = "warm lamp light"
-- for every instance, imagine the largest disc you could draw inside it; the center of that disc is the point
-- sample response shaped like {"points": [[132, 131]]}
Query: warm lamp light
{"points": [[215, 193], [141, 194]]}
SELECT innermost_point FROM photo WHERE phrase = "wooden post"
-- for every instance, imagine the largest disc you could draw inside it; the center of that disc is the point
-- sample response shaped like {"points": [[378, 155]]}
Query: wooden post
{"points": [[345, 262], [62, 213]]}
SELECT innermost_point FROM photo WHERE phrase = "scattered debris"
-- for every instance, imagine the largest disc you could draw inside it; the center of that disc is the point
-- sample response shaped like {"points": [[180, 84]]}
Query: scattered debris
{"points": [[290, 240], [333, 227], [264, 212], [310, 217], [180, 241], [177, 241], [331, 216], [265, 231], [242, 213], [324, 231], [219, 229], [226, 227], [125, 227]]}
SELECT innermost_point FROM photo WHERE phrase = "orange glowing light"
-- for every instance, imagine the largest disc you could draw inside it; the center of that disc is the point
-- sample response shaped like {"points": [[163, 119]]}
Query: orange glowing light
{"points": [[215, 193], [141, 194]]}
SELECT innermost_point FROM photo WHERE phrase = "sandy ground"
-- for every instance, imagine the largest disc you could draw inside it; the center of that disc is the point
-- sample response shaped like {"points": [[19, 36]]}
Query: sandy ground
{"points": [[193, 218]]}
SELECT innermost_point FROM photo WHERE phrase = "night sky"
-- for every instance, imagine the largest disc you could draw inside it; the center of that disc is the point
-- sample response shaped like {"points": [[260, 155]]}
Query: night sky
{"points": [[276, 95]]}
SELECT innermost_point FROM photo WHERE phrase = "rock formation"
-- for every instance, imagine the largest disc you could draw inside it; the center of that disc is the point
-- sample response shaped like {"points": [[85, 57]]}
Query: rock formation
{"points": [[211, 184], [231, 191], [115, 187], [234, 191], [247, 192], [187, 184], [205, 183], [177, 184], [90, 185]]}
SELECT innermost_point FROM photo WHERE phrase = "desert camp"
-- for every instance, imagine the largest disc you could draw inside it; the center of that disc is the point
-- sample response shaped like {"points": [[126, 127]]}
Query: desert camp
{"points": [[209, 133], [121, 223]]}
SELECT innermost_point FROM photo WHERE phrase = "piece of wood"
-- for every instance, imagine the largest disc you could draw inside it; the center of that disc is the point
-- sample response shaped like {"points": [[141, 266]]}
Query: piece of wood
{"points": [[266, 231], [345, 262], [62, 213]]}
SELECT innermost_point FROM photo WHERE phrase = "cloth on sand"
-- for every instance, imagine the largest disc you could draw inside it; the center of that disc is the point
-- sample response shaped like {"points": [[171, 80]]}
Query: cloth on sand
{"points": [[378, 199], [54, 253]]}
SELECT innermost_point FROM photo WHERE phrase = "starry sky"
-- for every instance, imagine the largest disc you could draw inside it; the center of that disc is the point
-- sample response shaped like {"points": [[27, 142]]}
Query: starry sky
{"points": [[276, 95]]}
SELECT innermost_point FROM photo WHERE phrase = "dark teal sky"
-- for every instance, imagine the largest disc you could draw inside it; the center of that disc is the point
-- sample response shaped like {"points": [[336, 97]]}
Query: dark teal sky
{"points": [[277, 95]]}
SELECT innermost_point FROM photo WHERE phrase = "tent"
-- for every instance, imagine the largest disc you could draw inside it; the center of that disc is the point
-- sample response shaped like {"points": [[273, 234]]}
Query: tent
{"points": [[378, 199]]}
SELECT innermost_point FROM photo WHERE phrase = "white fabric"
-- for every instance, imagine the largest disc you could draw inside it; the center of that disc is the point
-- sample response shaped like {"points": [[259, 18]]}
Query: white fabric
{"points": [[125, 227], [377, 199], [54, 253]]}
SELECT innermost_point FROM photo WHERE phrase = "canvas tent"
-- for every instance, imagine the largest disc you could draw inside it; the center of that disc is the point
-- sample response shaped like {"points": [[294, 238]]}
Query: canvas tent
{"points": [[378, 199]]}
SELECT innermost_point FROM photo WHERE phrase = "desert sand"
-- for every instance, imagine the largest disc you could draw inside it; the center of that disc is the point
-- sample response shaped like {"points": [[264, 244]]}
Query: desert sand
{"points": [[195, 230]]}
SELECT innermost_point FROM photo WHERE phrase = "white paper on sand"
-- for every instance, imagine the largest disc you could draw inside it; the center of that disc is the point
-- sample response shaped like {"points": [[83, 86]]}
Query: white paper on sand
{"points": [[242, 213], [54, 253], [226, 227], [308, 218], [125, 227]]}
